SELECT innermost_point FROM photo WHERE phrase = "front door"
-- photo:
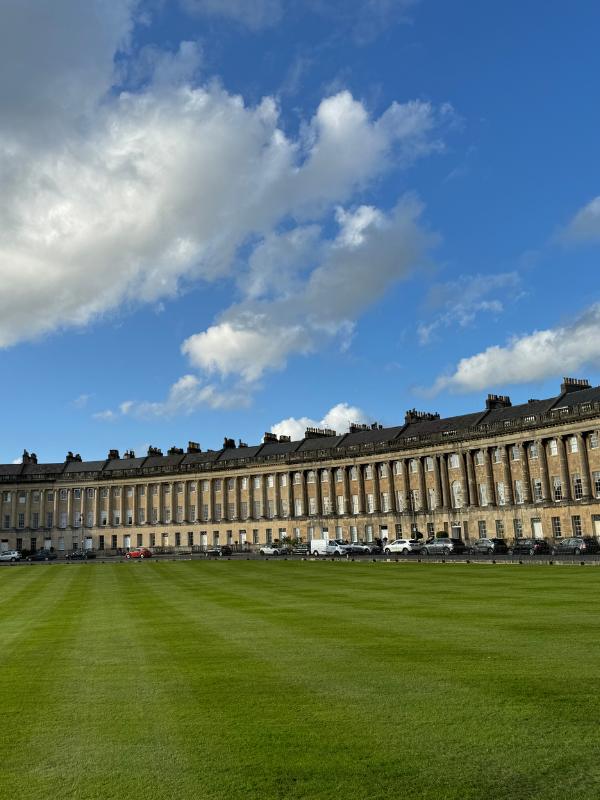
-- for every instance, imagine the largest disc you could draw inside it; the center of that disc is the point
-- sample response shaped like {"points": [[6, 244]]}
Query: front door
{"points": [[536, 528]]}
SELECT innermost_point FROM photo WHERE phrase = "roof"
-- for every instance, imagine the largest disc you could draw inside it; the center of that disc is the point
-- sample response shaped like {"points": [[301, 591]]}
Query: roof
{"points": [[401, 433]]}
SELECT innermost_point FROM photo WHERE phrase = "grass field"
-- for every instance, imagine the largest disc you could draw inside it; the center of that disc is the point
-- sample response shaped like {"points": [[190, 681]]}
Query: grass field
{"points": [[299, 680]]}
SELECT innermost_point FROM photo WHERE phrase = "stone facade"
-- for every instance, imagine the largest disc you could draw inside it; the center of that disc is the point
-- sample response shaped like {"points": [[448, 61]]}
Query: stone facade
{"points": [[530, 470]]}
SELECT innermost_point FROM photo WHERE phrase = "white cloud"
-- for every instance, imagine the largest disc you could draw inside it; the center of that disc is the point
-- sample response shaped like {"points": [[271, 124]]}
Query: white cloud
{"points": [[585, 225], [370, 253], [462, 300], [255, 14], [81, 401], [185, 396], [337, 418], [162, 187], [532, 357]]}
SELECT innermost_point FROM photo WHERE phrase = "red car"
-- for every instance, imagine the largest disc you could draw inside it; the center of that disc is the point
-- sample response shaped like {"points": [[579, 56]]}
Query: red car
{"points": [[139, 552]]}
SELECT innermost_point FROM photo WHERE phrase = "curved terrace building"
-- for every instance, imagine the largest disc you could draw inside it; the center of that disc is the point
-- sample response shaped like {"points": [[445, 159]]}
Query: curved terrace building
{"points": [[505, 471]]}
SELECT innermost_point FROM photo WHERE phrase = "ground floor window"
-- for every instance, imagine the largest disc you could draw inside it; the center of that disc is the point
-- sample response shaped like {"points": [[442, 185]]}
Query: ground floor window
{"points": [[33, 544], [215, 538], [354, 533], [255, 536], [556, 529], [369, 533], [100, 543], [190, 538], [518, 528], [482, 527], [576, 521], [177, 539], [113, 541], [430, 530], [499, 529], [139, 540], [269, 535], [152, 540], [19, 544], [398, 529]]}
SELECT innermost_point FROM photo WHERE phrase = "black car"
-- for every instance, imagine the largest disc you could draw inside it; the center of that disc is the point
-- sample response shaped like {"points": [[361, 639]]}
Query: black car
{"points": [[300, 550], [488, 546], [223, 550], [81, 555], [576, 545], [42, 555], [530, 547]]}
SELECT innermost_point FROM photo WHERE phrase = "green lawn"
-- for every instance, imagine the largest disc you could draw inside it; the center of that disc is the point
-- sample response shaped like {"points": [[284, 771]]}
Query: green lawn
{"points": [[351, 681]]}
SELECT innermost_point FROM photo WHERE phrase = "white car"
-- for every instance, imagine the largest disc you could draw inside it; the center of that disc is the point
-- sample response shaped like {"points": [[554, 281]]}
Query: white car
{"points": [[272, 550], [402, 546], [10, 555]]}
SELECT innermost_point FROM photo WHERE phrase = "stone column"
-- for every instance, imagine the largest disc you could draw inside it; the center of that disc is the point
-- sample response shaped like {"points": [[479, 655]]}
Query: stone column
{"points": [[304, 493], [265, 496], [464, 480], [422, 485], [376, 489], [392, 487], [525, 472], [277, 494], [584, 465], [42, 508], [437, 479], [347, 491], [69, 508], [471, 480], [55, 518], [362, 506], [290, 494], [238, 497], [149, 505], [508, 487], [318, 493], [28, 509], [406, 485], [446, 498], [541, 445], [332, 497], [564, 468], [489, 477]]}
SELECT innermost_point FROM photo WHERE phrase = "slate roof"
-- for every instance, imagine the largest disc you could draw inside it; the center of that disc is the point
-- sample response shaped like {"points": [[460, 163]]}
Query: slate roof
{"points": [[401, 433]]}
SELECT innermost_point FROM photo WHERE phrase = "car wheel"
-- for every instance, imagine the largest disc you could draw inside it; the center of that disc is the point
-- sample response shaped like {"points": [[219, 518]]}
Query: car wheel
{"points": [[531, 551], [424, 552], [490, 550], [405, 551], [387, 551], [141, 556], [13, 559], [577, 551], [127, 556], [316, 553], [446, 551]]}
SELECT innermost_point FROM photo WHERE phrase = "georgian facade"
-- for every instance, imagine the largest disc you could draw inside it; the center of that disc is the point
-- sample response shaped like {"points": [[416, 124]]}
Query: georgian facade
{"points": [[506, 471]]}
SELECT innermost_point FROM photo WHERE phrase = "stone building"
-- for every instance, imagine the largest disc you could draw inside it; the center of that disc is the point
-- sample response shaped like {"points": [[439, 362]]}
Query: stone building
{"points": [[505, 471]]}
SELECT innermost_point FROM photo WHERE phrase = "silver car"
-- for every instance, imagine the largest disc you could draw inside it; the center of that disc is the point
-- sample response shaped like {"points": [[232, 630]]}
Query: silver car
{"points": [[10, 555]]}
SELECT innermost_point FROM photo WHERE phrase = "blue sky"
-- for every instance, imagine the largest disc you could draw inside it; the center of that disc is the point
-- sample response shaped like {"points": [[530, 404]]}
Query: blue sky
{"points": [[220, 218]]}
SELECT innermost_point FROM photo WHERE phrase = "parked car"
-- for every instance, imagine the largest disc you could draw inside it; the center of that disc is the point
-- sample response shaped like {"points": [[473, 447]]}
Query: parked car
{"points": [[300, 550], [81, 555], [576, 545], [10, 555], [42, 555], [529, 547], [443, 546], [328, 547], [274, 550], [404, 546], [139, 552], [219, 550], [488, 546], [365, 548]]}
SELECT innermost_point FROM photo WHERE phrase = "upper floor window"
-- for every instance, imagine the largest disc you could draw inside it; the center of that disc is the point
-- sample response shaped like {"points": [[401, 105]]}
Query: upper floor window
{"points": [[270, 481], [77, 494], [496, 455], [593, 440], [553, 447], [533, 450], [453, 460], [478, 458], [413, 465], [63, 494], [256, 482], [573, 444], [515, 452], [231, 483], [297, 477], [368, 471], [429, 464]]}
